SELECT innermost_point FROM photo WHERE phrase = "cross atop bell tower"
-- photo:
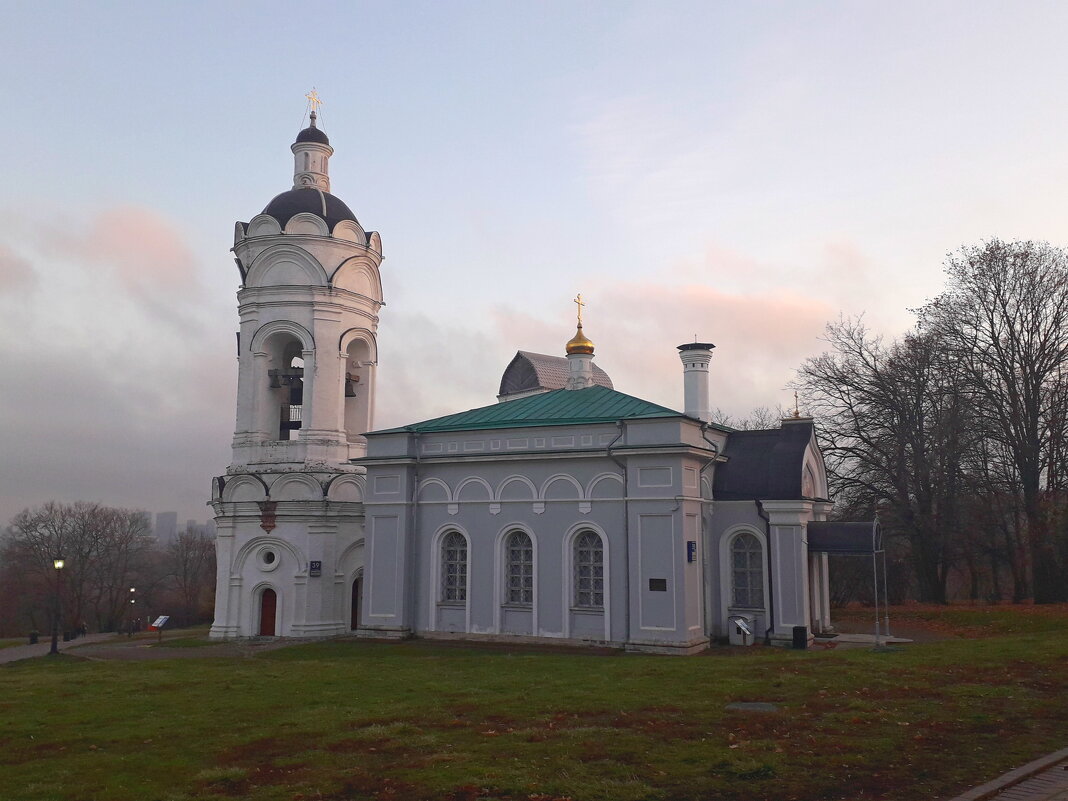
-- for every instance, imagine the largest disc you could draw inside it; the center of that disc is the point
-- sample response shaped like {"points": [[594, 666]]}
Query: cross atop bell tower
{"points": [[312, 151]]}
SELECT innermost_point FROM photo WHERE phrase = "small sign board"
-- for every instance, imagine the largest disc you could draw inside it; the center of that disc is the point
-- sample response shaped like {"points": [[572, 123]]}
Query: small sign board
{"points": [[160, 622], [315, 567], [691, 551]]}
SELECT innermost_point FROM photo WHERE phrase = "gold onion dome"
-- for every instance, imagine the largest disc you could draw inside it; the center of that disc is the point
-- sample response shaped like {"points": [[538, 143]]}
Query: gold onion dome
{"points": [[579, 343]]}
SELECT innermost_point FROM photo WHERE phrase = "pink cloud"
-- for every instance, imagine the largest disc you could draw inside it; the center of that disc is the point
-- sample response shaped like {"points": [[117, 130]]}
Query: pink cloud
{"points": [[760, 339], [16, 274], [140, 248]]}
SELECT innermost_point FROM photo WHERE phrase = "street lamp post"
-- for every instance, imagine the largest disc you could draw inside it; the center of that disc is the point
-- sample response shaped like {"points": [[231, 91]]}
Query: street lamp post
{"points": [[57, 563], [130, 622]]}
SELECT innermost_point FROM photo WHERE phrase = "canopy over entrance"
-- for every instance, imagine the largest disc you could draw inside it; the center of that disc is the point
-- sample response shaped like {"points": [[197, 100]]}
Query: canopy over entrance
{"points": [[856, 539]]}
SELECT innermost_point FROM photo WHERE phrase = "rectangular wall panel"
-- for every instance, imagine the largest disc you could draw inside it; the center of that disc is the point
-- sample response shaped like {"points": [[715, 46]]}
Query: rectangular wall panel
{"points": [[654, 476], [656, 561], [384, 571]]}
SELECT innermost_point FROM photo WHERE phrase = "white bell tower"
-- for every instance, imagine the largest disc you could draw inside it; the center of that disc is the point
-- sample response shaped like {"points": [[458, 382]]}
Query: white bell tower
{"points": [[289, 510]]}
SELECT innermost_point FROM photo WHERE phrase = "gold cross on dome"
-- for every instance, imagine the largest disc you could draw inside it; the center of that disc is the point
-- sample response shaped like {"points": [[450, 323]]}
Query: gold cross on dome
{"points": [[313, 100], [579, 302]]}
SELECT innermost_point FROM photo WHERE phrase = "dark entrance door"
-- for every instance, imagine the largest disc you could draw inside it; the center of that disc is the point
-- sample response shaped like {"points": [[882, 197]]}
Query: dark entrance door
{"points": [[268, 606], [357, 593]]}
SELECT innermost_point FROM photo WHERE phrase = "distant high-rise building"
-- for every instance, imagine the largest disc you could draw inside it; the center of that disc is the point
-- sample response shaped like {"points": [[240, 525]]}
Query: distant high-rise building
{"points": [[166, 527]]}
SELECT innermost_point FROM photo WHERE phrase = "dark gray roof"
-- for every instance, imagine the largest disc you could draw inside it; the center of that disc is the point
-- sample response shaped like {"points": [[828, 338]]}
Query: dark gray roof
{"points": [[841, 537], [531, 371], [763, 465], [313, 134], [312, 200]]}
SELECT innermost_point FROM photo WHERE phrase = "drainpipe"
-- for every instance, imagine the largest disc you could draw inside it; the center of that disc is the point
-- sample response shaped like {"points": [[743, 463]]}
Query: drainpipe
{"points": [[771, 597], [715, 450], [626, 527]]}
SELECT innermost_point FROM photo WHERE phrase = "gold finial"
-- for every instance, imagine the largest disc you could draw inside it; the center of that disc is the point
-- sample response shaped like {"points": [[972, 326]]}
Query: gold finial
{"points": [[579, 302], [313, 101], [797, 409], [579, 343]]}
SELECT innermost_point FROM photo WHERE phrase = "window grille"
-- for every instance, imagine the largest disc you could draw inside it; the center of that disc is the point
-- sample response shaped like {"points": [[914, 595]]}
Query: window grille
{"points": [[454, 568], [520, 555], [747, 572], [589, 571]]}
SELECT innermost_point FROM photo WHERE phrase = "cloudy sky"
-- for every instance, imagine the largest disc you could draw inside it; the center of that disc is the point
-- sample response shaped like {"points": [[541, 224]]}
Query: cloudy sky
{"points": [[743, 172]]}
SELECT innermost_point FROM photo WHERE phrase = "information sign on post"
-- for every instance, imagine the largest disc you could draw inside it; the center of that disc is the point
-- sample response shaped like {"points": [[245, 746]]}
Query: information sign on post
{"points": [[158, 625]]}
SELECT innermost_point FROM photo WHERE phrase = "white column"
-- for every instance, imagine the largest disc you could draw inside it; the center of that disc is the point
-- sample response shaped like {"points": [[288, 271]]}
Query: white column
{"points": [[789, 565], [308, 411], [825, 586], [225, 624], [260, 396]]}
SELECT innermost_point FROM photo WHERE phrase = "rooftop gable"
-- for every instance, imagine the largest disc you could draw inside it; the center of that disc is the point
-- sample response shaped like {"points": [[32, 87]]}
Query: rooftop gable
{"points": [[764, 464]]}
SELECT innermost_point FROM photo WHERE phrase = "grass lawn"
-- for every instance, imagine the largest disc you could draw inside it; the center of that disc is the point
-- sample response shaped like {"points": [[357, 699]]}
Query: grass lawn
{"points": [[12, 642], [419, 720]]}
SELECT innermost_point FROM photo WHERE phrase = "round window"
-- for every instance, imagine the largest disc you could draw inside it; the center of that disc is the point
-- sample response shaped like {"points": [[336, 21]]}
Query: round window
{"points": [[268, 559]]}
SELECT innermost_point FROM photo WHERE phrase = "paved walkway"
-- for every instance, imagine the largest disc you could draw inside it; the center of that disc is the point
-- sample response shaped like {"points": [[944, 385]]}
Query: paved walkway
{"points": [[1045, 779], [146, 646], [18, 652]]}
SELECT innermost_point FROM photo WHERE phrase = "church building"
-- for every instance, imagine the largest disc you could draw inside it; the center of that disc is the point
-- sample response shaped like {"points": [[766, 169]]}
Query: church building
{"points": [[567, 510]]}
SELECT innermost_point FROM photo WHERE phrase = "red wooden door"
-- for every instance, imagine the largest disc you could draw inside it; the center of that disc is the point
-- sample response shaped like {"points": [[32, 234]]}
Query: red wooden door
{"points": [[268, 605]]}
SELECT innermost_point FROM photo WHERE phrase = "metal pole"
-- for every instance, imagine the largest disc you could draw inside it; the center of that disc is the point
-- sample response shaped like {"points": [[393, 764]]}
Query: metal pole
{"points": [[55, 616], [886, 597], [875, 581]]}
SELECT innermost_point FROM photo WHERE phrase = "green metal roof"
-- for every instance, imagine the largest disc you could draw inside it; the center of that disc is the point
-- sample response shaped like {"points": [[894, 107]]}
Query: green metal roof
{"points": [[561, 407]]}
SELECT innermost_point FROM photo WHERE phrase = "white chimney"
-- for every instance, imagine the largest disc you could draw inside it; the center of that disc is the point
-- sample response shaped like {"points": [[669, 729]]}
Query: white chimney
{"points": [[695, 358]]}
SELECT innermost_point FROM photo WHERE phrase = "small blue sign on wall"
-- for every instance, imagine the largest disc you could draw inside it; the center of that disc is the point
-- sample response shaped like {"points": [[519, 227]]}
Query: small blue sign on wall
{"points": [[691, 551], [315, 567]]}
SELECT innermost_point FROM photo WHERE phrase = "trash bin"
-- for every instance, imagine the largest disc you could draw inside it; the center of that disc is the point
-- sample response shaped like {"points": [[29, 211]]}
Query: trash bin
{"points": [[33, 638], [801, 637]]}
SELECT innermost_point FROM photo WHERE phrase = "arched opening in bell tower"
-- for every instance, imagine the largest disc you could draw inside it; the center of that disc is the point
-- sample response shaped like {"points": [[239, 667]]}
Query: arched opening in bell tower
{"points": [[283, 411], [359, 389]]}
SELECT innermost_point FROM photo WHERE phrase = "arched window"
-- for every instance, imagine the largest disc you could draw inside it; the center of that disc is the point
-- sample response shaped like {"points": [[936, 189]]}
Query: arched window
{"points": [[454, 568], [589, 571], [747, 572], [519, 556], [305, 162]]}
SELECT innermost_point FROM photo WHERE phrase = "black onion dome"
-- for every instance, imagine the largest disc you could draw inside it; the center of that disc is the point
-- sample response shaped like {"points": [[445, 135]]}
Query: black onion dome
{"points": [[321, 204], [313, 134]]}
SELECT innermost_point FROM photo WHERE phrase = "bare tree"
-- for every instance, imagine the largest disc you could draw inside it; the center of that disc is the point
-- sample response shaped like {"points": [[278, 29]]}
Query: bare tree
{"points": [[124, 541], [762, 417], [191, 565], [1004, 318], [104, 549], [894, 425]]}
